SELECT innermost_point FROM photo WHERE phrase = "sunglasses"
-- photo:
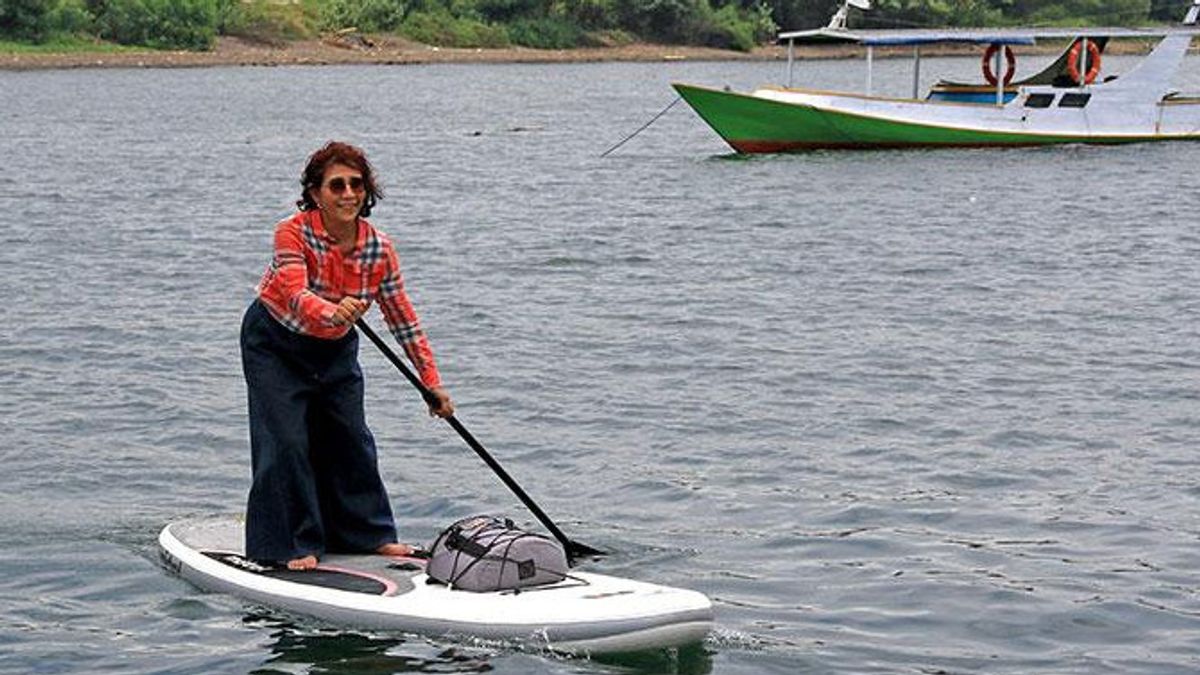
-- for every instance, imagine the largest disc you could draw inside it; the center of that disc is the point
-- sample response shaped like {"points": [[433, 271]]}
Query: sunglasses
{"points": [[339, 185]]}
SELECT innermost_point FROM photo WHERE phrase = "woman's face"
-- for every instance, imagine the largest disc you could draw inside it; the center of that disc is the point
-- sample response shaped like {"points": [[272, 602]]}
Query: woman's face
{"points": [[341, 194]]}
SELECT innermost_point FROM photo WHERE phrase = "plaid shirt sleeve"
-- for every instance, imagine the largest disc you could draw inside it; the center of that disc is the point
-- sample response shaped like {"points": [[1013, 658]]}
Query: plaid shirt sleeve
{"points": [[290, 272], [402, 319]]}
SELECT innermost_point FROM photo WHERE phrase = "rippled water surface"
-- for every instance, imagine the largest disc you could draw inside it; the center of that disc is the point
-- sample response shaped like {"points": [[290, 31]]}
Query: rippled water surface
{"points": [[898, 412]]}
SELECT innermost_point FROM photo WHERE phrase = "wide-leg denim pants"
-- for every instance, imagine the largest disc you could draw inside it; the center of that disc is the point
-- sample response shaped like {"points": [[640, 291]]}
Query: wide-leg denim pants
{"points": [[315, 477]]}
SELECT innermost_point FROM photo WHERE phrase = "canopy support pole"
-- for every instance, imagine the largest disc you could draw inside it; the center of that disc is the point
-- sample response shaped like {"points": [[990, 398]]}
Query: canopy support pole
{"points": [[1083, 64], [791, 59], [999, 77], [916, 71], [870, 65]]}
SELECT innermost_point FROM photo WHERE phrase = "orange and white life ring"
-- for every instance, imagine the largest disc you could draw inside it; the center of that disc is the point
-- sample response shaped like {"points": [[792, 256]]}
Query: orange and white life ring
{"points": [[1009, 71], [1093, 62]]}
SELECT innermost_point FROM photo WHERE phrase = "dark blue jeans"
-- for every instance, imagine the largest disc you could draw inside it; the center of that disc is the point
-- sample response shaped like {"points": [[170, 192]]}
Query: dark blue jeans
{"points": [[316, 486]]}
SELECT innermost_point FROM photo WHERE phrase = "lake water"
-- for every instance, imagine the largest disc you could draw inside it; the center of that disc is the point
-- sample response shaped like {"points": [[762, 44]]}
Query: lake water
{"points": [[894, 412]]}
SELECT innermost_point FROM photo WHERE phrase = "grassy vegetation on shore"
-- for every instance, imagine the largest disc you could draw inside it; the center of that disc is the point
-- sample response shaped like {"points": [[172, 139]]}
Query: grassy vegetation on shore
{"points": [[75, 26], [547, 24], [66, 45]]}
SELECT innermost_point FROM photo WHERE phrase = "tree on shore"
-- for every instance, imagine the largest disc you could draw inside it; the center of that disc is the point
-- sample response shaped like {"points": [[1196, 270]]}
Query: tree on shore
{"points": [[557, 24], [40, 20]]}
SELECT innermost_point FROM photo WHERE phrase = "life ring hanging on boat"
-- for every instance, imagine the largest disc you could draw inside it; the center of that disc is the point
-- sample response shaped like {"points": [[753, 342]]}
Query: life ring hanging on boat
{"points": [[1093, 62], [1009, 57]]}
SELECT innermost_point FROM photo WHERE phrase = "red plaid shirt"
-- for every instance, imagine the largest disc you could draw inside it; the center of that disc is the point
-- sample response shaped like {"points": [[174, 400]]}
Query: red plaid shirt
{"points": [[308, 276]]}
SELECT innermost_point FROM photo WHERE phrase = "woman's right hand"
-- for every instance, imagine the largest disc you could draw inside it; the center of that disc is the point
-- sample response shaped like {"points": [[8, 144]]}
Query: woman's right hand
{"points": [[348, 311], [441, 405]]}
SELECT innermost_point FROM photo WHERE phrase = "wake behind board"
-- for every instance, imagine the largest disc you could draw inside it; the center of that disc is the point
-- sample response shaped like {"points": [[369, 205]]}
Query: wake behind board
{"points": [[585, 613]]}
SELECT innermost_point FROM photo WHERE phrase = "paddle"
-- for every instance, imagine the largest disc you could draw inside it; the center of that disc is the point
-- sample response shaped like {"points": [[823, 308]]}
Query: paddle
{"points": [[573, 549]]}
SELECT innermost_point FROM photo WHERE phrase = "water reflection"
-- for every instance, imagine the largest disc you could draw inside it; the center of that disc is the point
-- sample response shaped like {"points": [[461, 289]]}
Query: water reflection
{"points": [[297, 648], [691, 660], [301, 649]]}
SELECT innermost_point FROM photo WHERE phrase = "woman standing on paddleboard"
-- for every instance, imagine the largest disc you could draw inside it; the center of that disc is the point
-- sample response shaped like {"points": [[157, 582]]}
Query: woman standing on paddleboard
{"points": [[315, 481]]}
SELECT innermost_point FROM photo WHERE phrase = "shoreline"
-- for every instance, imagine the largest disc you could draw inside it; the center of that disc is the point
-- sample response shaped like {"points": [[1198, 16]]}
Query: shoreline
{"points": [[232, 51], [389, 50]]}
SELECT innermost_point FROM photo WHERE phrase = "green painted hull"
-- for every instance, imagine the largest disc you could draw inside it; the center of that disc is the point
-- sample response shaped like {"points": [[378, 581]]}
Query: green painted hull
{"points": [[753, 125]]}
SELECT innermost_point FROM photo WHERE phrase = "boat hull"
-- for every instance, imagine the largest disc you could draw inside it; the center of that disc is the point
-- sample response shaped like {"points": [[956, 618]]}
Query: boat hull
{"points": [[764, 123]]}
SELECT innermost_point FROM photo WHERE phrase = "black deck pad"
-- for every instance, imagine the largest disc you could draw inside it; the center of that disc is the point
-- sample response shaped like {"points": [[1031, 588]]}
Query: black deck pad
{"points": [[342, 581]]}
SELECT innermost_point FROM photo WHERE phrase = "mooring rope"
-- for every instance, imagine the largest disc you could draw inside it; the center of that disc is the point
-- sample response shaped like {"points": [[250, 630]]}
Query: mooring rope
{"points": [[643, 127]]}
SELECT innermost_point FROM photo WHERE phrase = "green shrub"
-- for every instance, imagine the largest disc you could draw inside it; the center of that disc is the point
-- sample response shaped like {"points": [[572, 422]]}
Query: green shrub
{"points": [[663, 20], [1096, 12], [25, 19], [69, 17], [546, 33], [724, 29], [441, 28], [798, 14], [918, 13], [161, 24], [508, 10], [1168, 11], [265, 21], [42, 20], [695, 22], [368, 16], [590, 14], [731, 28]]}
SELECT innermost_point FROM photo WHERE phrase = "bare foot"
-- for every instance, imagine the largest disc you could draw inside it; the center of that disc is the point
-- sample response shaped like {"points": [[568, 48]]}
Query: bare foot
{"points": [[395, 549], [308, 562]]}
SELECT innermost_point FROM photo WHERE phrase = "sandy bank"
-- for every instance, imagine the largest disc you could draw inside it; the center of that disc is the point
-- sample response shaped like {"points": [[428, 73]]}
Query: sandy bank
{"points": [[376, 50]]}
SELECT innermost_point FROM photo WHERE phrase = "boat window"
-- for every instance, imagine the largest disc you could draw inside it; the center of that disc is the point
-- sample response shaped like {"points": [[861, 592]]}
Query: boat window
{"points": [[1074, 100], [1039, 100]]}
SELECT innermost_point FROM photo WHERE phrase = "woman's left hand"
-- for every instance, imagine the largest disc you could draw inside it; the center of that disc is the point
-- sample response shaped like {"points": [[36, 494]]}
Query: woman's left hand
{"points": [[442, 407]]}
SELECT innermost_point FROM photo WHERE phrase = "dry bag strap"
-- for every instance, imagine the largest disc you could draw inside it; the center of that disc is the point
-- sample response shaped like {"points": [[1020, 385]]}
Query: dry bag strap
{"points": [[458, 542]]}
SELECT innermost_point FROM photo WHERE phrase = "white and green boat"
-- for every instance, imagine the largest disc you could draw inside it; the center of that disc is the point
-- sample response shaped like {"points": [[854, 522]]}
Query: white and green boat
{"points": [[1069, 101]]}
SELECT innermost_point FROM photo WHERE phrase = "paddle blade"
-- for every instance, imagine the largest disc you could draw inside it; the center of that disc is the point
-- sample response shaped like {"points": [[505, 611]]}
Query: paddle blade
{"points": [[576, 550]]}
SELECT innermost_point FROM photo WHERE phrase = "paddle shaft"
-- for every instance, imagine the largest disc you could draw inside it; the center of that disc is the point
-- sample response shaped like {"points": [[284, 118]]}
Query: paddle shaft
{"points": [[573, 548]]}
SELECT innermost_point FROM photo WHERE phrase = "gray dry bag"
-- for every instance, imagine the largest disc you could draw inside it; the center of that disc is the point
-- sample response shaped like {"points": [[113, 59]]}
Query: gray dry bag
{"points": [[483, 553]]}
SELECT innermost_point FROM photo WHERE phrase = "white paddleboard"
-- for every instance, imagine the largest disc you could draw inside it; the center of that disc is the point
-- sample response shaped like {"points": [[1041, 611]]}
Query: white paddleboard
{"points": [[585, 613]]}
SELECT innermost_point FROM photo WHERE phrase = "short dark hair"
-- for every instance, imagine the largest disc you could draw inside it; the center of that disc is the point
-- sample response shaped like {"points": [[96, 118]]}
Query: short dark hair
{"points": [[336, 152]]}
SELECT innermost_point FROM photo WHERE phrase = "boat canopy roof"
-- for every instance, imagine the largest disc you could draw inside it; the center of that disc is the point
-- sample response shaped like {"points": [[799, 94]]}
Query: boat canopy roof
{"points": [[1004, 36]]}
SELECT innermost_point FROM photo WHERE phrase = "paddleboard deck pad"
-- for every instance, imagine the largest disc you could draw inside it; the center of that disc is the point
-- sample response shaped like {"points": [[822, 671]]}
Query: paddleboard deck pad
{"points": [[584, 613]]}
